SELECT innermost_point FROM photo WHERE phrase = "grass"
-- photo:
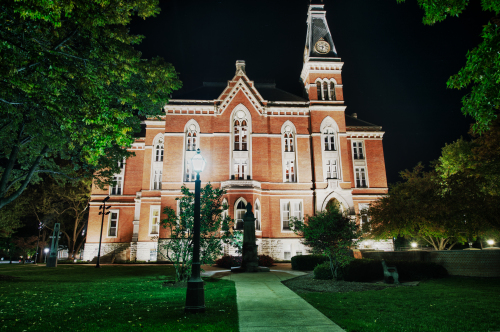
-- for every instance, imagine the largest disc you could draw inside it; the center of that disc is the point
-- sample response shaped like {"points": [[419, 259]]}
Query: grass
{"points": [[112, 298], [452, 304]]}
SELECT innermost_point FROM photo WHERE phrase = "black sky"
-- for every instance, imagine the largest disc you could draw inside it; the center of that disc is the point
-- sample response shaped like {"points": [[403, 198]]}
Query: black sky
{"points": [[395, 68]]}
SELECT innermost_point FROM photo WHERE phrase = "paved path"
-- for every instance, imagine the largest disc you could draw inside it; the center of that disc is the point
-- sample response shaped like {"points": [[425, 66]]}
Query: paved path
{"points": [[265, 304]]}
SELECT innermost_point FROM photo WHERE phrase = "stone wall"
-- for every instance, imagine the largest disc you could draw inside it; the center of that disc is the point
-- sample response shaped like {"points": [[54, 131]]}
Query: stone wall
{"points": [[470, 263]]}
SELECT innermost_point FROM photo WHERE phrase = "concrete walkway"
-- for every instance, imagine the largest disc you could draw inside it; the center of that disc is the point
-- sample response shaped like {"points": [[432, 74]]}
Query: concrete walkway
{"points": [[265, 304]]}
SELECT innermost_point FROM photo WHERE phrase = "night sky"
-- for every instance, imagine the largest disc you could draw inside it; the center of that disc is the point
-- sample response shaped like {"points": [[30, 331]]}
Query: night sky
{"points": [[395, 68]]}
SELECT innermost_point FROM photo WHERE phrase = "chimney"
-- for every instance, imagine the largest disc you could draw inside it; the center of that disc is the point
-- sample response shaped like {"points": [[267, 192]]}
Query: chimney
{"points": [[240, 67], [355, 115]]}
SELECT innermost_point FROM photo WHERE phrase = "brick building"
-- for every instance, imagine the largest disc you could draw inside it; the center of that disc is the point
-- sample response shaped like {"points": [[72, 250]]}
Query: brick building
{"points": [[286, 155]]}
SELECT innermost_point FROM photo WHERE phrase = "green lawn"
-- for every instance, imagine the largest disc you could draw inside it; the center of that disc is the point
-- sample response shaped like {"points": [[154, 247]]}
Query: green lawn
{"points": [[112, 298], [452, 304]]}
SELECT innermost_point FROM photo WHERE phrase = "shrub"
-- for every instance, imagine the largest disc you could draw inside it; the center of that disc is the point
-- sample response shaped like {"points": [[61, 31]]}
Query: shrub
{"points": [[307, 262], [363, 270], [228, 261], [323, 271], [265, 260]]}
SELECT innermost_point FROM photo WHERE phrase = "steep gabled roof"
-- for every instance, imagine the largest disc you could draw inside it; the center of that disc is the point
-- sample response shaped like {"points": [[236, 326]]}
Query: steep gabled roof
{"points": [[352, 122]]}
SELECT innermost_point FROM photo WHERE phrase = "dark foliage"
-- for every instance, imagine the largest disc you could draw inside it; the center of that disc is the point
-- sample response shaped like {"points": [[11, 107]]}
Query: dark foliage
{"points": [[307, 262], [265, 260], [323, 271]]}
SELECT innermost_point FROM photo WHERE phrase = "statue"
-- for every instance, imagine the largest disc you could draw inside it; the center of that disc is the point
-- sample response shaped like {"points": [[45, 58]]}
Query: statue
{"points": [[250, 261]]}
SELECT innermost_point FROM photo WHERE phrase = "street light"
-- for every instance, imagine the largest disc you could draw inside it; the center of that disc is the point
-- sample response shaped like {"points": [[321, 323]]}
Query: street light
{"points": [[46, 252], [104, 213], [195, 294], [491, 242], [414, 245]]}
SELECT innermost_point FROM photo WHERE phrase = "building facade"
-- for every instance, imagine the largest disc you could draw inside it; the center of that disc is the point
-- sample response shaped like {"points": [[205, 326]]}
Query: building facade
{"points": [[286, 155]]}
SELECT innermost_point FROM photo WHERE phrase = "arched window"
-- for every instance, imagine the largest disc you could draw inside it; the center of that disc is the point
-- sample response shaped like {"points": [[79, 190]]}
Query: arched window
{"points": [[157, 164], [257, 215], [289, 142], [240, 132], [331, 91], [158, 146], [324, 92], [191, 138], [239, 213], [329, 139], [318, 88]]}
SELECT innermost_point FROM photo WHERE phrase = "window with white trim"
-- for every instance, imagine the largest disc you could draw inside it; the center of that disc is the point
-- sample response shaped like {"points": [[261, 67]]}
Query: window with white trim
{"points": [[290, 208], [257, 216], [157, 179], [240, 169], [288, 139], [329, 139], [331, 169], [113, 223], [290, 171], [331, 91], [154, 222], [157, 163], [158, 146], [357, 150], [239, 213], [318, 88], [116, 189], [326, 89], [240, 133], [360, 177], [363, 211], [189, 175], [191, 138]]}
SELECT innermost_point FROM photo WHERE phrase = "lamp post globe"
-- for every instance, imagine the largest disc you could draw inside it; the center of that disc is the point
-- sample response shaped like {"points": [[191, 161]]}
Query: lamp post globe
{"points": [[46, 250], [195, 294]]}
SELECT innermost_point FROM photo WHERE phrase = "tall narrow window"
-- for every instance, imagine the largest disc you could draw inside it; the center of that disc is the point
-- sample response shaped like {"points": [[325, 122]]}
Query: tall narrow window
{"points": [[290, 209], [257, 216], [239, 213], [331, 91], [157, 179], [191, 138], [324, 91], [159, 149], [360, 177], [240, 134], [285, 215], [189, 175], [331, 169], [155, 220], [113, 224], [116, 189], [240, 169], [318, 88], [357, 150], [289, 142], [289, 171], [363, 211], [329, 139]]}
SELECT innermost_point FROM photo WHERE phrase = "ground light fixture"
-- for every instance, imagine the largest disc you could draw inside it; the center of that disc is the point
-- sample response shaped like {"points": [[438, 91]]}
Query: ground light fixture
{"points": [[490, 242], [414, 245], [46, 250], [195, 294]]}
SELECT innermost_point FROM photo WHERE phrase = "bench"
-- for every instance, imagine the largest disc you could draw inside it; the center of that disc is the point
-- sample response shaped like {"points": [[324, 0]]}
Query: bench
{"points": [[390, 272]]}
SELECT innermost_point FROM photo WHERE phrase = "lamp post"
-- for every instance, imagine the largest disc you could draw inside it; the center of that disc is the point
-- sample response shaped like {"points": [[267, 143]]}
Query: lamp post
{"points": [[104, 213], [46, 252], [195, 294]]}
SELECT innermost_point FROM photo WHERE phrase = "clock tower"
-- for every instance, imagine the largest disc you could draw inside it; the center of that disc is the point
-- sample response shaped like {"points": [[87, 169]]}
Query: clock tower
{"points": [[321, 73]]}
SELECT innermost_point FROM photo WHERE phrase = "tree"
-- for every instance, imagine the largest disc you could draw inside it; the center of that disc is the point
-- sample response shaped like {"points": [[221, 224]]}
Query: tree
{"points": [[72, 87], [442, 212], [331, 233], [483, 63], [26, 246], [214, 230]]}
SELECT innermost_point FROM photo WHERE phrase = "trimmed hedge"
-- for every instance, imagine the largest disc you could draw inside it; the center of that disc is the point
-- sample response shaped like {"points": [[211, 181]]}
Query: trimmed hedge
{"points": [[232, 261], [323, 271], [307, 262]]}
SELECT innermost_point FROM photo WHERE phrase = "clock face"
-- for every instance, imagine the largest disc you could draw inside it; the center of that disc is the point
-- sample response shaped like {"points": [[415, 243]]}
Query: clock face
{"points": [[322, 47]]}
